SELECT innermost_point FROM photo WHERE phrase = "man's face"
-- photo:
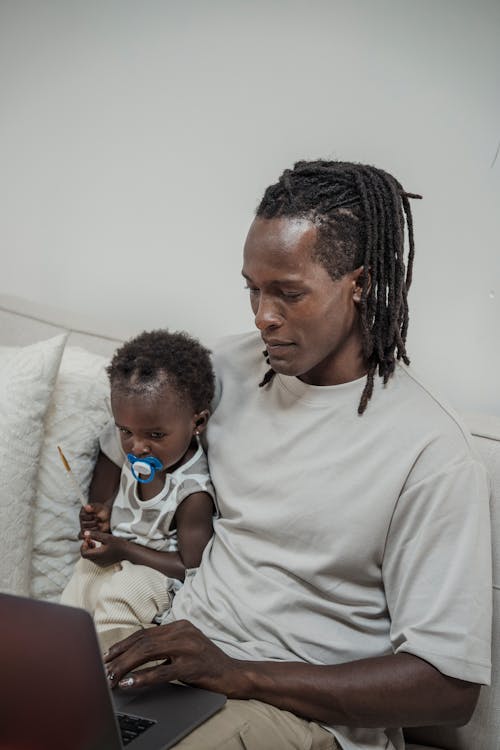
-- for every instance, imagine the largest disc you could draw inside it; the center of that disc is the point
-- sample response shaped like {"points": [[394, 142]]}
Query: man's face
{"points": [[309, 323]]}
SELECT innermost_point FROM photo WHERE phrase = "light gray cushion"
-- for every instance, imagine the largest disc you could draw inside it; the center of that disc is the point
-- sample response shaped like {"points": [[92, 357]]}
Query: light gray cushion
{"points": [[27, 378], [78, 411]]}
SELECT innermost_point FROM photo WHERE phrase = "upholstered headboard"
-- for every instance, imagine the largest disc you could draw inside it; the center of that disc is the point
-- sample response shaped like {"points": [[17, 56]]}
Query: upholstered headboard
{"points": [[23, 322]]}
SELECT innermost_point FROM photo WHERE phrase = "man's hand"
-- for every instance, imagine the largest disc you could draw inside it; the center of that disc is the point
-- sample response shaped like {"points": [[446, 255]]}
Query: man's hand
{"points": [[94, 517], [393, 690], [103, 549], [189, 656]]}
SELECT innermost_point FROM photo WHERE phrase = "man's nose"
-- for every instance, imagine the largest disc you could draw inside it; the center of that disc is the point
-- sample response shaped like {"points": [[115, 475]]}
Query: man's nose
{"points": [[266, 313]]}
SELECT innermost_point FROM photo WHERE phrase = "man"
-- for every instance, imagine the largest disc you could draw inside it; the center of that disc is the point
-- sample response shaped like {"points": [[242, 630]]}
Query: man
{"points": [[347, 588]]}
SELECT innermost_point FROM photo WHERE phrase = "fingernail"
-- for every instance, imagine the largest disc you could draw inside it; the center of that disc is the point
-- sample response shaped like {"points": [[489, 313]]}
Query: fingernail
{"points": [[126, 683]]}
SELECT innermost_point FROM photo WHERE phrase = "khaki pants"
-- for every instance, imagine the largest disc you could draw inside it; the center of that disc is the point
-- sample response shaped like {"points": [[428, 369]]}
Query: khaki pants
{"points": [[252, 725], [121, 598]]}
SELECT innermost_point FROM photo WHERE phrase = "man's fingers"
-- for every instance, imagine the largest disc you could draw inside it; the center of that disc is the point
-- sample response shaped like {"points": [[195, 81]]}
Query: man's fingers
{"points": [[146, 677], [140, 648], [118, 648]]}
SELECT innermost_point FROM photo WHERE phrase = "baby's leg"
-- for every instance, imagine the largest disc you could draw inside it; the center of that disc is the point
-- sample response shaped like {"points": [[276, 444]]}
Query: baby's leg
{"points": [[84, 587], [128, 601]]}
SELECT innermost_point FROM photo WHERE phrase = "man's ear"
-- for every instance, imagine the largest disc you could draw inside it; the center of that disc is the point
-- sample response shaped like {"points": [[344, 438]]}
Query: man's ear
{"points": [[358, 281], [200, 421]]}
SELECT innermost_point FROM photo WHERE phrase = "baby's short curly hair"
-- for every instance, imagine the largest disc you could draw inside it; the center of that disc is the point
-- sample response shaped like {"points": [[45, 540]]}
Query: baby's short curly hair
{"points": [[154, 358]]}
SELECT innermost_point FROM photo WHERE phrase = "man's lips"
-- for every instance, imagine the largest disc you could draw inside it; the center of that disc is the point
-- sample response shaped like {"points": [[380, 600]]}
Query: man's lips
{"points": [[274, 345]]}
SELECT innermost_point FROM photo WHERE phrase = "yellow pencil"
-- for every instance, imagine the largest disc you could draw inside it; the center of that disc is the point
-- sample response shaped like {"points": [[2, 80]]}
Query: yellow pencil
{"points": [[72, 477]]}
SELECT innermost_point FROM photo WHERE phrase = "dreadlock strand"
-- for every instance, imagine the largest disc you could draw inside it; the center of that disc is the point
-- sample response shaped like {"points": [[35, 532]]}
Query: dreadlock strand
{"points": [[379, 268], [367, 390], [269, 375], [367, 297]]}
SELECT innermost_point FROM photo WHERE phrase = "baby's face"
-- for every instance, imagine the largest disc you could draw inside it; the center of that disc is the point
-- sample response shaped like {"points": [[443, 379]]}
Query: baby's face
{"points": [[159, 424]]}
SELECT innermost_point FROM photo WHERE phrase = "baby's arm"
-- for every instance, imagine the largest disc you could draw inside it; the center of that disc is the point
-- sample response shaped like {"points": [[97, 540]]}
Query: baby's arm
{"points": [[95, 516], [193, 518]]}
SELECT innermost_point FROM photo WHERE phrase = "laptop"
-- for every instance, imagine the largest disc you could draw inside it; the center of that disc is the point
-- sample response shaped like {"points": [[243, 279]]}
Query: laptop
{"points": [[54, 693]]}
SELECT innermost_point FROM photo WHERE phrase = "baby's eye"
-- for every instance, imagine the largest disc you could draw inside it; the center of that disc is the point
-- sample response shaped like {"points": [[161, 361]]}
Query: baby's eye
{"points": [[157, 435], [124, 431]]}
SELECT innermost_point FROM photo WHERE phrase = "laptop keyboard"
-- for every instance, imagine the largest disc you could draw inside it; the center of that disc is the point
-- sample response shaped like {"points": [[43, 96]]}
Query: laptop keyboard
{"points": [[132, 726]]}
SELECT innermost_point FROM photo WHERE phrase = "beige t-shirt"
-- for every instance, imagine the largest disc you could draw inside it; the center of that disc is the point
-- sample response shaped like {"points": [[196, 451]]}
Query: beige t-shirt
{"points": [[342, 536]]}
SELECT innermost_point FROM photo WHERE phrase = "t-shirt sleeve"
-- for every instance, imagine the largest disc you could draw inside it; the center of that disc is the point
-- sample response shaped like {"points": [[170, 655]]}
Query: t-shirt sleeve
{"points": [[437, 571], [110, 445]]}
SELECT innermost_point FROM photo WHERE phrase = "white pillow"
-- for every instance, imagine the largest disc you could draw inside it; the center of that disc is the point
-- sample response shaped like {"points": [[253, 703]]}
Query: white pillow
{"points": [[27, 377], [75, 418]]}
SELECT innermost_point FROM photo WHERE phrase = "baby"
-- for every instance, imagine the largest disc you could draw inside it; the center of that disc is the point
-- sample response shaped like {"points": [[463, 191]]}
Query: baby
{"points": [[138, 547]]}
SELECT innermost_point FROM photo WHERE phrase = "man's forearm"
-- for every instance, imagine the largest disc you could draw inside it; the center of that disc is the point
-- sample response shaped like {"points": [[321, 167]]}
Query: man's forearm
{"points": [[389, 691]]}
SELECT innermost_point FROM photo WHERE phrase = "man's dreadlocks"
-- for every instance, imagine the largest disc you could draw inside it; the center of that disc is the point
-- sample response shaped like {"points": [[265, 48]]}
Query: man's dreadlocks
{"points": [[359, 212]]}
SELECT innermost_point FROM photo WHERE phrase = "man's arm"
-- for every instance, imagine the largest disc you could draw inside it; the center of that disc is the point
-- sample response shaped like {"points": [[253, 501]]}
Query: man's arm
{"points": [[395, 690], [388, 691]]}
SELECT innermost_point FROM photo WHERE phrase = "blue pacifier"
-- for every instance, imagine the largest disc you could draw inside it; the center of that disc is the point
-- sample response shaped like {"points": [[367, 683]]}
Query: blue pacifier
{"points": [[147, 466]]}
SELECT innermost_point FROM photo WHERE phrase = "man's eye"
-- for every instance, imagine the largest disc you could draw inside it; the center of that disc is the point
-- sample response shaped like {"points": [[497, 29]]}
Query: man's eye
{"points": [[251, 289], [292, 295]]}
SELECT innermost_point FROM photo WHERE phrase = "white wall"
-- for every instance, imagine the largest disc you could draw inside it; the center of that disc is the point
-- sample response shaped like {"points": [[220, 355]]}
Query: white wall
{"points": [[136, 138]]}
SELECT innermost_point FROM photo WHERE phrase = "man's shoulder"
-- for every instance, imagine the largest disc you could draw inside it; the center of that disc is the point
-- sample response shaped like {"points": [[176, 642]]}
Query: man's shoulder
{"points": [[422, 413], [238, 341], [238, 351], [238, 360], [419, 395]]}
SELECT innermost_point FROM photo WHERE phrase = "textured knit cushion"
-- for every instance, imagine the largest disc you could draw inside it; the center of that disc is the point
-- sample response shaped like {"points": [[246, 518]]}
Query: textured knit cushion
{"points": [[27, 378], [76, 415]]}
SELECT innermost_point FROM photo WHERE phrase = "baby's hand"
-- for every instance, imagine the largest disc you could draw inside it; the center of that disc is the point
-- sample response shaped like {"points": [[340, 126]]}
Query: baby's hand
{"points": [[88, 543], [103, 549], [94, 517]]}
